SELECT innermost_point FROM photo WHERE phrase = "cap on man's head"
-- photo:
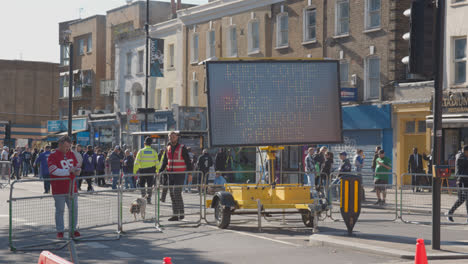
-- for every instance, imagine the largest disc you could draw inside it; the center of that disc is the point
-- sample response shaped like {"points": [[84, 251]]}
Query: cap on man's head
{"points": [[148, 141], [343, 153], [117, 147]]}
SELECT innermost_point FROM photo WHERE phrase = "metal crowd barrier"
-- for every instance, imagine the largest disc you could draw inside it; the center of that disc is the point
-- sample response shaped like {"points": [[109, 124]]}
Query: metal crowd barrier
{"points": [[371, 211], [5, 174], [179, 200], [97, 210], [416, 199], [32, 217]]}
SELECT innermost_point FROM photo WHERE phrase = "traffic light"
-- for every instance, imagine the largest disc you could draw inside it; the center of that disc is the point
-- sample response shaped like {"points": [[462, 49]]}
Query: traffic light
{"points": [[420, 37]]}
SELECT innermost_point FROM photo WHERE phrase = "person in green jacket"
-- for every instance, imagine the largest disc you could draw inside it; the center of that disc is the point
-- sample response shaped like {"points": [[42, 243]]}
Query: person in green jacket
{"points": [[383, 164]]}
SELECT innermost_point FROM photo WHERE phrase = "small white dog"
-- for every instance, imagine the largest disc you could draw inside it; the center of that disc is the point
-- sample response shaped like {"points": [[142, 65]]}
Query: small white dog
{"points": [[138, 206]]}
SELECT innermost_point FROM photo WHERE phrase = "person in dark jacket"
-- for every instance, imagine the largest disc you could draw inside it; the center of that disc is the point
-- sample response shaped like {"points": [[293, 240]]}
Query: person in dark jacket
{"points": [[415, 166], [345, 165], [326, 169], [171, 163], [461, 170], [41, 162], [16, 164], [35, 155], [115, 163], [88, 167], [128, 169], [204, 163], [220, 160], [100, 167]]}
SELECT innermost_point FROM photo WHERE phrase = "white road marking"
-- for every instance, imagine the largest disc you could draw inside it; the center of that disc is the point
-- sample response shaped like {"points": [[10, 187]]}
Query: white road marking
{"points": [[260, 237], [121, 254], [96, 245]]}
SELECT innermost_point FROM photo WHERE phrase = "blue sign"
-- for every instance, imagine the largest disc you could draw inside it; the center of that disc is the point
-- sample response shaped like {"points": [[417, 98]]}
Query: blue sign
{"points": [[348, 94], [152, 126], [62, 125], [157, 58], [82, 138]]}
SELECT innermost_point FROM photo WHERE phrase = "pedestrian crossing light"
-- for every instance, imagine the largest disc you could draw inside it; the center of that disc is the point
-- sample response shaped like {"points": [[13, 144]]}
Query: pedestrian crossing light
{"points": [[420, 38]]}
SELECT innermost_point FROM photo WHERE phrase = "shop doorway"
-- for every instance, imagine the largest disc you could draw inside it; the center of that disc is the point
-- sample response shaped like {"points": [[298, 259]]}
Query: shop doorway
{"points": [[412, 141]]}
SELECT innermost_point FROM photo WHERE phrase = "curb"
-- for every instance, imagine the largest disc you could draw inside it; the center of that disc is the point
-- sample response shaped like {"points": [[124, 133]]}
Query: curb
{"points": [[335, 241]]}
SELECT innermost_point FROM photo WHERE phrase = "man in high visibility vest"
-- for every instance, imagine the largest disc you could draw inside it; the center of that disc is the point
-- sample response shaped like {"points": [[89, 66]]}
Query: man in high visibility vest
{"points": [[176, 159], [146, 162]]}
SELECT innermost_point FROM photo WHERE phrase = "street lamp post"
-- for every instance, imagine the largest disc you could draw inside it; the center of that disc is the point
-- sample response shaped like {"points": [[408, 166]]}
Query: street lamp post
{"points": [[147, 64], [67, 35]]}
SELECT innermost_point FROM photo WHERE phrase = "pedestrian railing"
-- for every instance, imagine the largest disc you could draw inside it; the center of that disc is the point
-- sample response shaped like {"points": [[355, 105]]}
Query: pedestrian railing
{"points": [[32, 216], [371, 209], [5, 174], [178, 197], [416, 199]]}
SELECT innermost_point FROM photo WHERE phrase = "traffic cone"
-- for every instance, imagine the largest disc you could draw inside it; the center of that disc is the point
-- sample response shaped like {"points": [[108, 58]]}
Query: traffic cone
{"points": [[420, 257], [168, 260]]}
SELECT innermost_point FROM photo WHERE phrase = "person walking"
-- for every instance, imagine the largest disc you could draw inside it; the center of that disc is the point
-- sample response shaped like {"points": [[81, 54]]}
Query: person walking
{"points": [[100, 168], [327, 168], [89, 167], [383, 165], [146, 162], [374, 161], [4, 167], [16, 164], [35, 155], [415, 166], [310, 167], [41, 161], [63, 164], [128, 169], [27, 156], [115, 163], [220, 160], [176, 160], [461, 170], [204, 163], [188, 177]]}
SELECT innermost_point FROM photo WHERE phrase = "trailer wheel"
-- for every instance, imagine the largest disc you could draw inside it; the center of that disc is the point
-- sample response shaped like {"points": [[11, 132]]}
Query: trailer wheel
{"points": [[222, 215], [307, 217]]}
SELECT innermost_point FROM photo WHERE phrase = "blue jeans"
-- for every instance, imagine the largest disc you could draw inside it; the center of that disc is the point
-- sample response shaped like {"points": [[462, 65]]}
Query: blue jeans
{"points": [[129, 180], [46, 182], [60, 201], [311, 179], [189, 184], [115, 178], [26, 167]]}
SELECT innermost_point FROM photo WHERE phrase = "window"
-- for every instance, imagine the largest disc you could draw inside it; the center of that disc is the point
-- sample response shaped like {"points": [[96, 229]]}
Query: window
{"points": [[141, 57], [211, 44], [194, 48], [65, 55], [282, 30], [170, 96], [81, 46], [410, 127], [158, 99], [372, 16], [89, 45], [422, 126], [344, 73], [342, 17], [372, 83], [129, 63], [171, 56], [460, 60], [253, 37], [232, 42], [194, 93], [310, 25]]}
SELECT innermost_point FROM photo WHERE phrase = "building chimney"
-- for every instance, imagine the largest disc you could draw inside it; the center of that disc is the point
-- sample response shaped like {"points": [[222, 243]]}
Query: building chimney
{"points": [[179, 4], [173, 7]]}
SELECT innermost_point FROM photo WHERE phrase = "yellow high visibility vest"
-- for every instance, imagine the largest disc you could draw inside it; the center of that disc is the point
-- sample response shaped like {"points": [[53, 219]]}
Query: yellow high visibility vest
{"points": [[147, 157]]}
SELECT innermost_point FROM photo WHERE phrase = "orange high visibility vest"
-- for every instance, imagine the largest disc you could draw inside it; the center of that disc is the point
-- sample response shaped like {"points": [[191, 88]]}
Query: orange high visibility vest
{"points": [[175, 161]]}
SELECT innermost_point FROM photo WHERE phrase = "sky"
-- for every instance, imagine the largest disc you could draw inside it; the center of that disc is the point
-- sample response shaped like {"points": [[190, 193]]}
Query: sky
{"points": [[29, 28]]}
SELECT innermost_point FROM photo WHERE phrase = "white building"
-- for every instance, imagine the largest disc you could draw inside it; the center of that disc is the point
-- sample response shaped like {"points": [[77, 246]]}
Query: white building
{"points": [[456, 32]]}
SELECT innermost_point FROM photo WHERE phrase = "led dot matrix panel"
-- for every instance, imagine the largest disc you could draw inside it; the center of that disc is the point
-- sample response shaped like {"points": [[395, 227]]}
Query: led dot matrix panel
{"points": [[258, 103]]}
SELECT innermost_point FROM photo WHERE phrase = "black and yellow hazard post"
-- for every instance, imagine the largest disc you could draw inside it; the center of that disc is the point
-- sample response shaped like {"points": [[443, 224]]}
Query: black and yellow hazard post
{"points": [[350, 200]]}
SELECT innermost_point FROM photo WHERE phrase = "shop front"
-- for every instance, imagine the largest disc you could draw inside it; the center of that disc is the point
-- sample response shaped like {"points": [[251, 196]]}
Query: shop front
{"points": [[411, 132], [454, 125], [104, 130]]}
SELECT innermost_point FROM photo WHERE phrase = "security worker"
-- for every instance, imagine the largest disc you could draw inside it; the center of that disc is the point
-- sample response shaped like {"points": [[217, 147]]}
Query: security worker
{"points": [[146, 162], [176, 159]]}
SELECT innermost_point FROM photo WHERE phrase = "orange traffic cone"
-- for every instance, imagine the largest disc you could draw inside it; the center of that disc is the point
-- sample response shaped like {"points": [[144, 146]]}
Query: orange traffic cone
{"points": [[168, 260], [420, 257]]}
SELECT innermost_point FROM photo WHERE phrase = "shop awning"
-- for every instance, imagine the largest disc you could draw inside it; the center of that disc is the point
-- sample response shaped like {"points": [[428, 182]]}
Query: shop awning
{"points": [[449, 120], [73, 132]]}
